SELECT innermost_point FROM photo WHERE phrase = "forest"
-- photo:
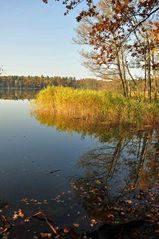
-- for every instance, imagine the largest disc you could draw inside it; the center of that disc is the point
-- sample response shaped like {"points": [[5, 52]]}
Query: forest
{"points": [[39, 82]]}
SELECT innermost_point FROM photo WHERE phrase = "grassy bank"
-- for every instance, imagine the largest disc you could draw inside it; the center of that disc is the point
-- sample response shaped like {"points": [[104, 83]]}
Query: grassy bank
{"points": [[97, 106]]}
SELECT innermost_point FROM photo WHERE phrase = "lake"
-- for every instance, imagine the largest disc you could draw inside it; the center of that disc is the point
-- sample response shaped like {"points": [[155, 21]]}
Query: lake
{"points": [[75, 174]]}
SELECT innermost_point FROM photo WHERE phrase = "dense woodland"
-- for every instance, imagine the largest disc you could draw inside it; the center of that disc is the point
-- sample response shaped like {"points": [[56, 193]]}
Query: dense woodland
{"points": [[39, 82], [34, 82]]}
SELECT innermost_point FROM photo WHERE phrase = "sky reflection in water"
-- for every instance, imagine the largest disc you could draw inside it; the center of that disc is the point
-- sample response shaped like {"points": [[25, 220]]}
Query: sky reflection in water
{"points": [[75, 177]]}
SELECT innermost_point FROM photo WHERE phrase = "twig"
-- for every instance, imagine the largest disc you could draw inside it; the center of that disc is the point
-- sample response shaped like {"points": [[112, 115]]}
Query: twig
{"points": [[47, 221]]}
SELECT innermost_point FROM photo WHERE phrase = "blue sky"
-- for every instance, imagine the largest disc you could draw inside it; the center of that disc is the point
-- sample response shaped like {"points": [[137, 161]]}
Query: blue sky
{"points": [[36, 39]]}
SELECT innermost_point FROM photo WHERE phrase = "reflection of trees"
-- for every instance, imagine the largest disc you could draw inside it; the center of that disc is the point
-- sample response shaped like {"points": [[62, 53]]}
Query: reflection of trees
{"points": [[119, 176], [16, 94]]}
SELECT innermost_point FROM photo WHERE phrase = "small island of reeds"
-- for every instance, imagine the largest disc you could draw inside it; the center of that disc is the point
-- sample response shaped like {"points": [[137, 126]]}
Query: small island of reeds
{"points": [[99, 107]]}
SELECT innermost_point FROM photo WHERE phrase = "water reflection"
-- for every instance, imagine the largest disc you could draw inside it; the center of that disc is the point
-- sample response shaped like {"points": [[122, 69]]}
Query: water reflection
{"points": [[121, 179], [110, 174], [85, 127], [17, 94], [130, 160]]}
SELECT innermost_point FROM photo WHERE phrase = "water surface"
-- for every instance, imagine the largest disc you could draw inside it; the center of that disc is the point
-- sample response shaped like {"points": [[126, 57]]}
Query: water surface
{"points": [[75, 175]]}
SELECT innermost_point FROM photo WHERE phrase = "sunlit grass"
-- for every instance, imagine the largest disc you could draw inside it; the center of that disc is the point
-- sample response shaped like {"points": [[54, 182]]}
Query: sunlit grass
{"points": [[97, 106]]}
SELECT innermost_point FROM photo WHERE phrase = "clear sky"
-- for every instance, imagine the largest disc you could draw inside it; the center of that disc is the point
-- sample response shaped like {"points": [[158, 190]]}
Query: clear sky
{"points": [[36, 39]]}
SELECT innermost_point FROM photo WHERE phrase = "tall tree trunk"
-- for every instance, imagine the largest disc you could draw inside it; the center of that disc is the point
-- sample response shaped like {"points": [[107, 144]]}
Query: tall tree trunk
{"points": [[154, 75], [149, 73], [120, 71], [145, 74], [131, 77], [124, 73]]}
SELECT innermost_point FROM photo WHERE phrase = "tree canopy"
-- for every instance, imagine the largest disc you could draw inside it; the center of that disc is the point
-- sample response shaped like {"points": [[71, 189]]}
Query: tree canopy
{"points": [[122, 35], [124, 10]]}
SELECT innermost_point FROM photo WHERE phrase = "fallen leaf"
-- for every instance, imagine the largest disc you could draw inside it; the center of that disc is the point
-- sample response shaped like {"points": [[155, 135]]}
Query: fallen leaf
{"points": [[76, 225], [45, 235]]}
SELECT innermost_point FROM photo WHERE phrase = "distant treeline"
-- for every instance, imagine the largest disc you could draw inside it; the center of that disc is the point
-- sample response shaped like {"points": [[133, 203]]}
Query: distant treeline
{"points": [[39, 82]]}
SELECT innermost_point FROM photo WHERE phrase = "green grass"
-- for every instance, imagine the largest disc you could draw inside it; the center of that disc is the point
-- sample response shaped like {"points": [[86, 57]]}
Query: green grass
{"points": [[95, 106]]}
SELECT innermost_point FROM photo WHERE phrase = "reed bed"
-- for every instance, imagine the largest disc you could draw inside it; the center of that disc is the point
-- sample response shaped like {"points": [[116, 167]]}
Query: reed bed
{"points": [[98, 106]]}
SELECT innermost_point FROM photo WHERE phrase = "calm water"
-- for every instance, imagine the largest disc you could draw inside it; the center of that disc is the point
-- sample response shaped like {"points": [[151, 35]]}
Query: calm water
{"points": [[71, 176]]}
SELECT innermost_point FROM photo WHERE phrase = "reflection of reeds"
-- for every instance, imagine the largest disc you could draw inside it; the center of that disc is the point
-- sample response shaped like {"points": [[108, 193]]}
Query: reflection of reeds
{"points": [[84, 127], [89, 108]]}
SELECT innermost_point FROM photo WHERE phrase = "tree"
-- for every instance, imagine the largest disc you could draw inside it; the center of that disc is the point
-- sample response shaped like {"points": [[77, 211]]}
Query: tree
{"points": [[125, 11], [107, 55], [107, 27], [145, 56], [111, 50]]}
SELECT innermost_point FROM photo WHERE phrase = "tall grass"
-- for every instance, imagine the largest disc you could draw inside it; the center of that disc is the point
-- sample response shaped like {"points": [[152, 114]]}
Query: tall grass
{"points": [[98, 106]]}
